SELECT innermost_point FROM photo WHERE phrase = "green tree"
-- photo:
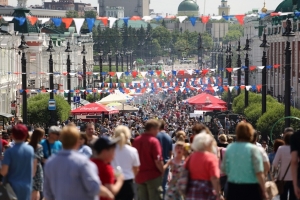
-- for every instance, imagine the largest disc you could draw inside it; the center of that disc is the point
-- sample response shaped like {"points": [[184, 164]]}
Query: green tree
{"points": [[163, 36], [72, 14], [233, 35], [207, 41], [90, 14], [37, 109]]}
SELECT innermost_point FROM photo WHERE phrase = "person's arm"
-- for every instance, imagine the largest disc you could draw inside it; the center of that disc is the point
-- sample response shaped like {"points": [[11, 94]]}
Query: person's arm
{"points": [[135, 170], [261, 181], [216, 186], [90, 178], [294, 168], [35, 163], [157, 156], [115, 188], [4, 170], [104, 192], [5, 163]]}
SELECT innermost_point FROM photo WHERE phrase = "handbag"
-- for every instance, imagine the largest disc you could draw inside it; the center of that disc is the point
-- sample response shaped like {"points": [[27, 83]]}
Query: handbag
{"points": [[271, 189], [183, 181], [280, 183], [6, 192]]}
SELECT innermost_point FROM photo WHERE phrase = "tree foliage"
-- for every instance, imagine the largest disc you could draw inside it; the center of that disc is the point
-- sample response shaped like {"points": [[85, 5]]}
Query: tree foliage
{"points": [[37, 108], [235, 31]]}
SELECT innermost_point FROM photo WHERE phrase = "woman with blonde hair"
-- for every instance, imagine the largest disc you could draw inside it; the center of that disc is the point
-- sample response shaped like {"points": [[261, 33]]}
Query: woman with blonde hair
{"points": [[127, 159]]}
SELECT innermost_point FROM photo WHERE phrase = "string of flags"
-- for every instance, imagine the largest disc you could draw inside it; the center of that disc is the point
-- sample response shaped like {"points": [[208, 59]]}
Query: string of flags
{"points": [[110, 21]]}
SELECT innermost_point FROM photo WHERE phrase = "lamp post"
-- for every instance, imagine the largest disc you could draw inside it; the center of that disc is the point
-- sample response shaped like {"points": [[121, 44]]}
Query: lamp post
{"points": [[109, 64], [247, 48], [288, 52], [239, 63], [68, 50], [199, 51], [84, 70], [51, 85], [100, 65], [127, 67], [22, 48], [228, 65], [122, 63], [265, 45], [117, 63], [221, 63]]}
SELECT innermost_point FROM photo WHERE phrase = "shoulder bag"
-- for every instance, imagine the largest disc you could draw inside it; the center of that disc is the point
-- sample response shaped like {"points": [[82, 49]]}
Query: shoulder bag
{"points": [[184, 177], [280, 183]]}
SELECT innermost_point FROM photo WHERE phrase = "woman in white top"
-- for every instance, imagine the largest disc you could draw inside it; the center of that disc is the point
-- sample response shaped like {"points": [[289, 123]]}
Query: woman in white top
{"points": [[283, 157], [126, 158]]}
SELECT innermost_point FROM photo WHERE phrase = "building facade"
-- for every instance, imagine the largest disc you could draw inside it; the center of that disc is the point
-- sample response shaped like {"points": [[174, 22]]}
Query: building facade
{"points": [[224, 8], [131, 7]]}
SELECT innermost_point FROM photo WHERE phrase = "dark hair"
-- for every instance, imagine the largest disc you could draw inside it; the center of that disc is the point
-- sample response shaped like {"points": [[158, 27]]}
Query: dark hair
{"points": [[197, 128], [287, 137], [152, 123], [277, 144], [36, 137], [162, 125]]}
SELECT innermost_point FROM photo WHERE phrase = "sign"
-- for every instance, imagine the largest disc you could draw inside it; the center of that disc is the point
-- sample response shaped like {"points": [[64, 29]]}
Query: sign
{"points": [[13, 106], [225, 81], [51, 104], [76, 99]]}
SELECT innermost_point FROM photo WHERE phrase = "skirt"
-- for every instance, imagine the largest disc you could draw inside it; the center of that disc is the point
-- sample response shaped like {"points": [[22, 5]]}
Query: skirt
{"points": [[200, 190], [244, 192]]}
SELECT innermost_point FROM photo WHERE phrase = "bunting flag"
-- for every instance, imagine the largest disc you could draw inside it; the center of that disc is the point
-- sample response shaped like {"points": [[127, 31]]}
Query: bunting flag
{"points": [[78, 24], [147, 18], [252, 68], [32, 20], [21, 20], [90, 23], [112, 20], [181, 18], [193, 20], [56, 21], [135, 18], [67, 22], [8, 19], [143, 74], [119, 74], [43, 20], [205, 19], [104, 20], [126, 19], [229, 69], [228, 17], [240, 19]]}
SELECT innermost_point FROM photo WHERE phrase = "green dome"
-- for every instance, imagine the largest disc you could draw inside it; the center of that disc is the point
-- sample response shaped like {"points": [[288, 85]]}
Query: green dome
{"points": [[188, 5], [285, 6]]}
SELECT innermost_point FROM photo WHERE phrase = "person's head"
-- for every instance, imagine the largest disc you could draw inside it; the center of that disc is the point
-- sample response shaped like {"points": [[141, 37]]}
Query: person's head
{"points": [[202, 142], [198, 128], [90, 129], [70, 138], [244, 132], [288, 130], [162, 125], [123, 133], [287, 137], [19, 133], [83, 139], [264, 144], [222, 138], [152, 127], [36, 137], [230, 140], [179, 148], [105, 148], [54, 132], [277, 144], [180, 136]]}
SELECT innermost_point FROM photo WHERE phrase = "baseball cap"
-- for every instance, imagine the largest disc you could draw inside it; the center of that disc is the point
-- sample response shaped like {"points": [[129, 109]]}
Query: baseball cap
{"points": [[105, 143]]}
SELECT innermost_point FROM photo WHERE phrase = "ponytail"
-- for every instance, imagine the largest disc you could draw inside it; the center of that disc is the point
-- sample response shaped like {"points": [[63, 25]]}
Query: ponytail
{"points": [[122, 140], [123, 133]]}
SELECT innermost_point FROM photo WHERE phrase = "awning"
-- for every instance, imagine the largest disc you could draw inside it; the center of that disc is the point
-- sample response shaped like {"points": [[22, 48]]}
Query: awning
{"points": [[6, 115], [93, 109]]}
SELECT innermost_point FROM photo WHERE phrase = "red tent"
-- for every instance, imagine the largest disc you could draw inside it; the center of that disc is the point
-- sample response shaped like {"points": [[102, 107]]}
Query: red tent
{"points": [[92, 109], [214, 107], [204, 98]]}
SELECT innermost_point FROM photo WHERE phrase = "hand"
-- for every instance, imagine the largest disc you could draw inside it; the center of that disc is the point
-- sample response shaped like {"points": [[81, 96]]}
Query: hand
{"points": [[297, 192], [265, 195], [120, 177]]}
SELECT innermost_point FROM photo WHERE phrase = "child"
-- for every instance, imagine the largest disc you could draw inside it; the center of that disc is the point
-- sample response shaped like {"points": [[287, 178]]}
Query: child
{"points": [[176, 163], [105, 149]]}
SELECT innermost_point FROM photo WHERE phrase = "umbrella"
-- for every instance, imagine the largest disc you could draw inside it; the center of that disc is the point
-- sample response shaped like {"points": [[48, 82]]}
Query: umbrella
{"points": [[126, 108], [214, 107], [113, 104], [93, 109], [204, 98], [112, 98]]}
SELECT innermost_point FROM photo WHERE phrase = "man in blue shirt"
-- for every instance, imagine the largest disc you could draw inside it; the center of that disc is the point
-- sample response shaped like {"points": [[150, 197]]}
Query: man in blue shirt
{"points": [[167, 147], [51, 145]]}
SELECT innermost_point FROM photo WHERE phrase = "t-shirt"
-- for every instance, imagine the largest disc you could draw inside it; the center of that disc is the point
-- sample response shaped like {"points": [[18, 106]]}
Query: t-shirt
{"points": [[203, 166], [19, 159], [295, 146], [166, 144], [149, 150], [54, 147], [126, 157], [4, 143], [105, 172]]}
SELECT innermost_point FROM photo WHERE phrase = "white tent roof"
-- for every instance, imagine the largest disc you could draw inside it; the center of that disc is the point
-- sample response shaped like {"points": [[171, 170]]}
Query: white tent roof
{"points": [[117, 97]]}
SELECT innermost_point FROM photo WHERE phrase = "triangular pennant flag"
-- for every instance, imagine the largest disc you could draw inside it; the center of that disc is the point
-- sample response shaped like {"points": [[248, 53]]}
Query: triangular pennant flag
{"points": [[32, 19], [8, 19], [119, 74], [78, 24], [111, 73], [205, 19], [216, 17], [260, 67], [181, 18], [167, 72], [252, 68], [147, 18], [236, 68], [242, 87], [227, 17], [56, 21], [43, 20], [112, 21], [248, 87], [276, 66], [104, 20], [90, 23], [143, 74], [21, 20], [230, 88], [125, 19], [193, 20], [240, 19], [190, 72], [67, 22], [229, 69]]}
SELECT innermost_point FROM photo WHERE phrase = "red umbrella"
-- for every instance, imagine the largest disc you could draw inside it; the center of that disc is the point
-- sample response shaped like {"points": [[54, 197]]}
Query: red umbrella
{"points": [[93, 109], [204, 98], [214, 107]]}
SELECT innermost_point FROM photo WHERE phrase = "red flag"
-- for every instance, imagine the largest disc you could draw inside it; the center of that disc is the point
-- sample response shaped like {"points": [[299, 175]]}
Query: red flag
{"points": [[204, 19], [204, 71], [273, 14], [104, 20], [134, 74], [67, 21], [276, 66], [229, 69], [112, 73], [252, 68], [32, 20], [258, 87], [240, 19]]}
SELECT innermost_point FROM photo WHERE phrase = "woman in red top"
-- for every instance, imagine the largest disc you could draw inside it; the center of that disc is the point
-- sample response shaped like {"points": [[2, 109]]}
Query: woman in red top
{"points": [[204, 170]]}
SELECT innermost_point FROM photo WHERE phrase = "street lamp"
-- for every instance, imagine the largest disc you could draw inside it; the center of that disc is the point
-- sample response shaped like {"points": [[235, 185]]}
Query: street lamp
{"points": [[265, 45], [100, 65], [84, 70], [287, 93], [199, 51], [122, 63], [22, 48], [109, 63], [228, 65], [117, 63], [239, 63], [51, 85], [247, 49], [68, 50], [127, 54]]}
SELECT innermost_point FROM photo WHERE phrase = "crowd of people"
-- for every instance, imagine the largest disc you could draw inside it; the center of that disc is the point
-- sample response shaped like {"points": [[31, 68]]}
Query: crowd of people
{"points": [[157, 153]]}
